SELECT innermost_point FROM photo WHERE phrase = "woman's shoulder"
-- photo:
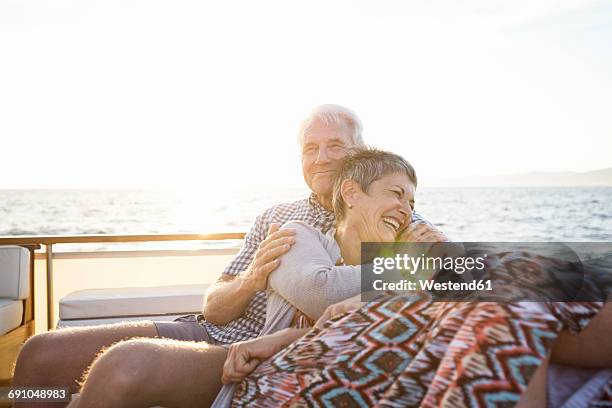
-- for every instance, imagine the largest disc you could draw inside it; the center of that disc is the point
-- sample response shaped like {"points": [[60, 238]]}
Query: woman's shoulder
{"points": [[300, 227], [304, 231]]}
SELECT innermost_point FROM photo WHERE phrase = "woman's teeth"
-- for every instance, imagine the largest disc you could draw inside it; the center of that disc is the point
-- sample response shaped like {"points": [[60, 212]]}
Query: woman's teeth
{"points": [[392, 222]]}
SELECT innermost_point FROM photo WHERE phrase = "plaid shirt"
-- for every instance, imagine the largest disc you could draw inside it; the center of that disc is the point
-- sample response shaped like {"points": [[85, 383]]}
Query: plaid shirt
{"points": [[251, 322]]}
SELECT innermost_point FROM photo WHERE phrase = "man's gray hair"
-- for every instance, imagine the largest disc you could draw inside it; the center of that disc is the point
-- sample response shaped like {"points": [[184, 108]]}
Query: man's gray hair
{"points": [[365, 165], [333, 115]]}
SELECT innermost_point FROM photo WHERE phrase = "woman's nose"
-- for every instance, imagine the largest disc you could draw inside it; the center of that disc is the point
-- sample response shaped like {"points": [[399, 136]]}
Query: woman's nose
{"points": [[406, 211]]}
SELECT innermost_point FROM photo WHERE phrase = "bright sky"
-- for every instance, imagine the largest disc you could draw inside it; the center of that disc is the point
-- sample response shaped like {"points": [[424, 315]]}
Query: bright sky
{"points": [[148, 93]]}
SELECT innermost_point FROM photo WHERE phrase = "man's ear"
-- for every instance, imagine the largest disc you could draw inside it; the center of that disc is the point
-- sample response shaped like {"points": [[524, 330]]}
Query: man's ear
{"points": [[350, 191]]}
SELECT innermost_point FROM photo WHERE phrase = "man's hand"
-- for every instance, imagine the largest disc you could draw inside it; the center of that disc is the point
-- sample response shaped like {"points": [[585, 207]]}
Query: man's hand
{"points": [[229, 297], [339, 308], [244, 356], [265, 261], [421, 232]]}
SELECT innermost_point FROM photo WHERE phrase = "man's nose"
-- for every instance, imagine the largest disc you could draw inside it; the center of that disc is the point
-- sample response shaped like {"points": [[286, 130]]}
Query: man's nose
{"points": [[322, 157]]}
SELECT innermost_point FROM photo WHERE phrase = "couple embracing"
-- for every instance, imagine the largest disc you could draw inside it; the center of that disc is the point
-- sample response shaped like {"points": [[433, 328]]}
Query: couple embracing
{"points": [[285, 322]]}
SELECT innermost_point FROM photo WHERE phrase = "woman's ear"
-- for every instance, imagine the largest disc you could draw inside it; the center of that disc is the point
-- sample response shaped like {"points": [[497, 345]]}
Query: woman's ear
{"points": [[350, 191]]}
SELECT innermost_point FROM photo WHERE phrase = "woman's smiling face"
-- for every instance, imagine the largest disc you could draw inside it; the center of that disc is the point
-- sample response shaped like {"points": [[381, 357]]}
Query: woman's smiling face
{"points": [[384, 210]]}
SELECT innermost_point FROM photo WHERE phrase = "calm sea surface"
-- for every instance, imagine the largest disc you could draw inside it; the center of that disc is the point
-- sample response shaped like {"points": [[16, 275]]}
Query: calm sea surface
{"points": [[465, 214]]}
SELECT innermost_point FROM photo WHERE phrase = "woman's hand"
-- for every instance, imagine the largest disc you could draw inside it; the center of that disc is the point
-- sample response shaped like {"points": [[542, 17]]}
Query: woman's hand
{"points": [[244, 356], [339, 308], [421, 232]]}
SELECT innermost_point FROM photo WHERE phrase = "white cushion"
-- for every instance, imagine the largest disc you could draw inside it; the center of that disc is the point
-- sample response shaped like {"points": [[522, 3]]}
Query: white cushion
{"points": [[117, 302], [11, 313], [94, 322], [14, 272]]}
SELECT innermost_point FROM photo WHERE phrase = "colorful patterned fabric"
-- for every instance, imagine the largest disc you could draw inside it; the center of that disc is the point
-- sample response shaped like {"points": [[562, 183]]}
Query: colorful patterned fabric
{"points": [[414, 352], [605, 397], [251, 322], [403, 352]]}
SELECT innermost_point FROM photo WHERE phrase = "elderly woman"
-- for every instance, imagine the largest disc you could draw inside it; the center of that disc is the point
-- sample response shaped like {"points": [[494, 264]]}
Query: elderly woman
{"points": [[396, 351], [373, 202]]}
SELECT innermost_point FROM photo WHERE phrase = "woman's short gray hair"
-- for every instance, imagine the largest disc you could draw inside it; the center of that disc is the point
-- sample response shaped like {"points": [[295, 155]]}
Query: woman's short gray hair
{"points": [[333, 115], [365, 165]]}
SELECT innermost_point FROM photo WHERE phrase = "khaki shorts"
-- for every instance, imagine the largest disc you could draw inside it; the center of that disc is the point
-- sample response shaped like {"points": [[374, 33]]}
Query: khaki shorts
{"points": [[186, 328]]}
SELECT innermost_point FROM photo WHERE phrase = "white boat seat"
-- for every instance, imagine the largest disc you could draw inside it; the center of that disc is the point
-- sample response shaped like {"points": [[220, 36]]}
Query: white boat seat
{"points": [[11, 314], [14, 285], [14, 272], [117, 304]]}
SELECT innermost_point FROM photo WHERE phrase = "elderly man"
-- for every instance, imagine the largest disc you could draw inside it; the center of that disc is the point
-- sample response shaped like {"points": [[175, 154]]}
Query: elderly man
{"points": [[162, 371]]}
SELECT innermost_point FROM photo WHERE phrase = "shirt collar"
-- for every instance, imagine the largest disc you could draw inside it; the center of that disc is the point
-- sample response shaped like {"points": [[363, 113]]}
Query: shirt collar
{"points": [[316, 206]]}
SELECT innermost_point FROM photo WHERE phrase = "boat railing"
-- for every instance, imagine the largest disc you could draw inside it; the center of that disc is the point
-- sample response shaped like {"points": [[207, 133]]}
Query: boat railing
{"points": [[49, 241]]}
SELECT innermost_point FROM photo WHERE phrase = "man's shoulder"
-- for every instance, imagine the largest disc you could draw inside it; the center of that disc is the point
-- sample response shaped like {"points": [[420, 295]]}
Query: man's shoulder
{"points": [[281, 213]]}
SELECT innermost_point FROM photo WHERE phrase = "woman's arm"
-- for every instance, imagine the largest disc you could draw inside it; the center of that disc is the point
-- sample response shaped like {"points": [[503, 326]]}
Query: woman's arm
{"points": [[307, 276], [337, 309], [243, 357]]}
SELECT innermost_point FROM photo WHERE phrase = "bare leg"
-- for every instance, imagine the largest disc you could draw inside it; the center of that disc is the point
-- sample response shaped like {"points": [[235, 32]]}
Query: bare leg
{"points": [[591, 347], [149, 372], [58, 358], [75, 401], [535, 394]]}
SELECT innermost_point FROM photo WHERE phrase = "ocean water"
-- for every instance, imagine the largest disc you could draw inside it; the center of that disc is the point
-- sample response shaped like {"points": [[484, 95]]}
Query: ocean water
{"points": [[464, 214]]}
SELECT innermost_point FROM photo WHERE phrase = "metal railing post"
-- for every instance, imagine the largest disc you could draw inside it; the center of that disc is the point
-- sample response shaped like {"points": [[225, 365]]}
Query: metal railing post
{"points": [[50, 240], [49, 286]]}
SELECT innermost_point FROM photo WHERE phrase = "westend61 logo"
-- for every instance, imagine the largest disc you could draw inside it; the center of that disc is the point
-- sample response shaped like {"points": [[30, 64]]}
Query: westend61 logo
{"points": [[479, 271]]}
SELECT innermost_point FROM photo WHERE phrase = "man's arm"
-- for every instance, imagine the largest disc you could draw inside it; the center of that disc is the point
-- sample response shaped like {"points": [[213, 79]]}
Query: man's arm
{"points": [[230, 296], [309, 278]]}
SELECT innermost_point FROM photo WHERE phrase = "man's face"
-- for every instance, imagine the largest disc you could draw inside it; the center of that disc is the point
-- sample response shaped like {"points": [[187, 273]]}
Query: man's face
{"points": [[323, 148]]}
